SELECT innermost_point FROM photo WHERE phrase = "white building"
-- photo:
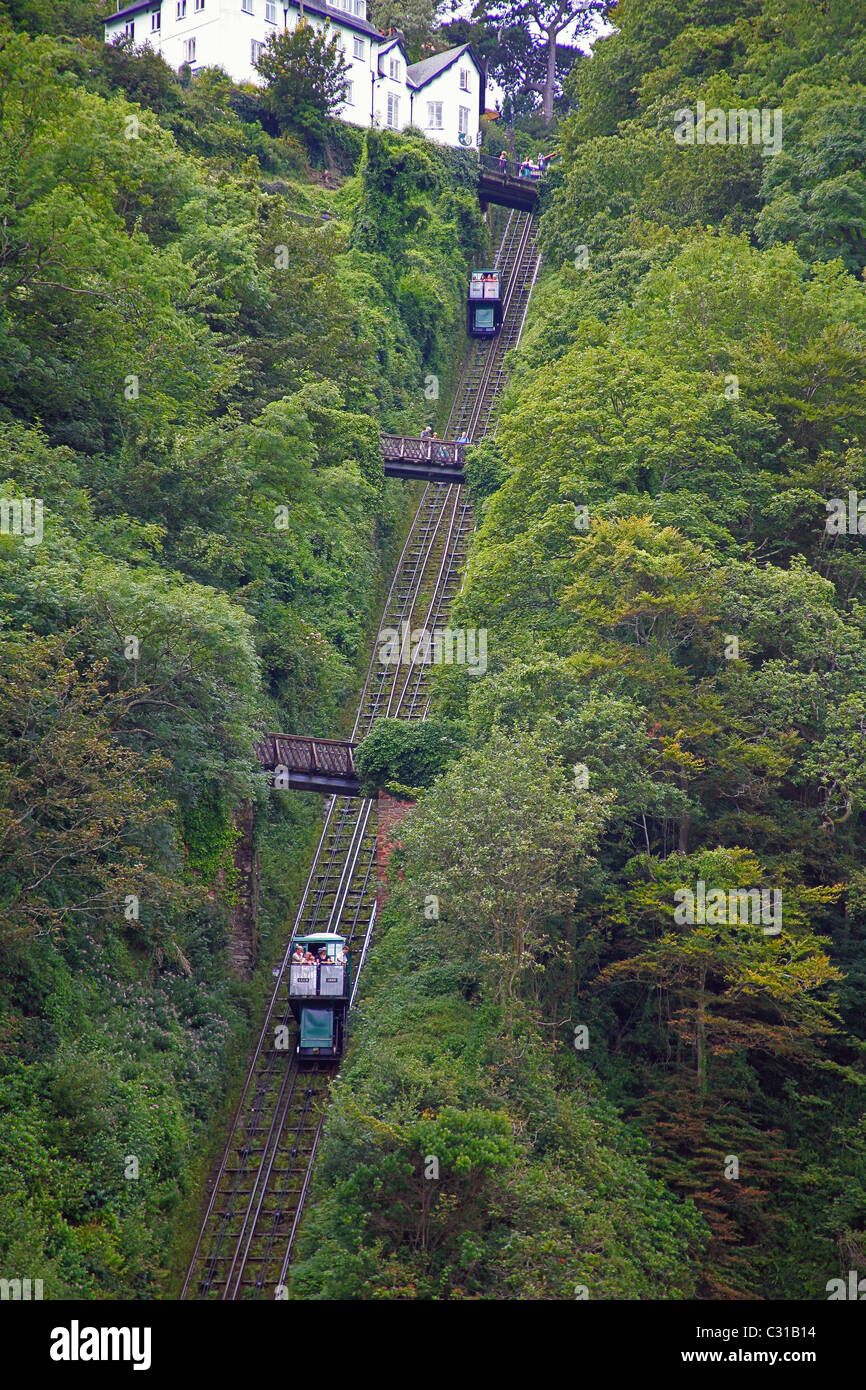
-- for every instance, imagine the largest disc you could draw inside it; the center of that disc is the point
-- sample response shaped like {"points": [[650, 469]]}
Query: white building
{"points": [[443, 96]]}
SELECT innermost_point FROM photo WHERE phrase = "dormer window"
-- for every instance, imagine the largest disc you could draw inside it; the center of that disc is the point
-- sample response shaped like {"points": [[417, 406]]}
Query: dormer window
{"points": [[394, 69]]}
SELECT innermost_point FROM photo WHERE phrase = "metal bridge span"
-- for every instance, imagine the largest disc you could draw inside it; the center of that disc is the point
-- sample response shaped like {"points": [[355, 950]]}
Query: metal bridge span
{"points": [[257, 1194]]}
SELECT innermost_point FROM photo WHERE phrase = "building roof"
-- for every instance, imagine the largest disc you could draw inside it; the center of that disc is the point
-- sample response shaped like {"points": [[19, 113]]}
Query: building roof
{"points": [[419, 74], [389, 48], [132, 9], [315, 7], [324, 11]]}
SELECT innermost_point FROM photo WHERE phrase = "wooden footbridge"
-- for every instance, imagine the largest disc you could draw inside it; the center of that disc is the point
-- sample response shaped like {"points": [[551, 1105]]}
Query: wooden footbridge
{"points": [[436, 460], [310, 764]]}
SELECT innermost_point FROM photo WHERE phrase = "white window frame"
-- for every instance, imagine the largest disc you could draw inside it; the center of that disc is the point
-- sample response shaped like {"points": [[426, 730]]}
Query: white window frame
{"points": [[181, 9], [199, 4], [189, 50], [350, 94], [129, 29], [463, 114], [393, 111], [257, 48], [464, 80], [270, 11], [155, 21], [247, 6], [358, 49], [394, 69], [434, 115]]}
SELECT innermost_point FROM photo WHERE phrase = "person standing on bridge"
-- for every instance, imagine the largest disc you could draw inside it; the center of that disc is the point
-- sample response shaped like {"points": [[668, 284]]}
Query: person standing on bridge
{"points": [[503, 163]]}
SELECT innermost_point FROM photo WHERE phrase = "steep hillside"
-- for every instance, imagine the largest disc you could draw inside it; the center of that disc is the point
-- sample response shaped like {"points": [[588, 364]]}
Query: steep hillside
{"points": [[671, 725], [192, 383]]}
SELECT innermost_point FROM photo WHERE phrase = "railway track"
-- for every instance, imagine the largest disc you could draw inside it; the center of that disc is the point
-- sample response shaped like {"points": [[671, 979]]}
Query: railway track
{"points": [[484, 370], [257, 1195]]}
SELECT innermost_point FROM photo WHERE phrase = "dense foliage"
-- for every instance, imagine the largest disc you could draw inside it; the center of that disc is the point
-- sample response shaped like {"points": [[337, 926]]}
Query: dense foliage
{"points": [[411, 753], [192, 383], [457, 1164], [675, 704], [560, 1084], [305, 79]]}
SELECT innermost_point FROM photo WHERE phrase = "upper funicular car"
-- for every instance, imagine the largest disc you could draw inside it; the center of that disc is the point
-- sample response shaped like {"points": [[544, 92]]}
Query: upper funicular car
{"points": [[484, 303]]}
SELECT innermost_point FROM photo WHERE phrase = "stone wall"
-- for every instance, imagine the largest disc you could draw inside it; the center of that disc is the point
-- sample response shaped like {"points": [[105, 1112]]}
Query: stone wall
{"points": [[244, 926], [391, 811]]}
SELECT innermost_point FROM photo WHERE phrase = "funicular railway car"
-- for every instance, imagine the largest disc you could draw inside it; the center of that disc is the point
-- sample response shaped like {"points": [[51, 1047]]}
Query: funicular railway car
{"points": [[319, 981], [484, 303]]}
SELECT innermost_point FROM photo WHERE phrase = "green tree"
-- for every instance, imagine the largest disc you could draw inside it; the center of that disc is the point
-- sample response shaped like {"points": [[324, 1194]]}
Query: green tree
{"points": [[305, 75], [411, 753], [80, 814], [552, 17], [416, 20], [500, 841]]}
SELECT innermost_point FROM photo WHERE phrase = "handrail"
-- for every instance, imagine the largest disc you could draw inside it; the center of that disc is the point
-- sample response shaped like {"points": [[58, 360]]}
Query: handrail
{"points": [[418, 450], [514, 168]]}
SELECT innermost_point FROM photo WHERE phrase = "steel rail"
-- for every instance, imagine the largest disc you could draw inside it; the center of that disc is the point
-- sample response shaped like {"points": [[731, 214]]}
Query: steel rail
{"points": [[290, 1100]]}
